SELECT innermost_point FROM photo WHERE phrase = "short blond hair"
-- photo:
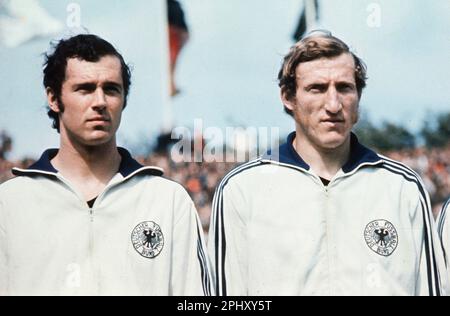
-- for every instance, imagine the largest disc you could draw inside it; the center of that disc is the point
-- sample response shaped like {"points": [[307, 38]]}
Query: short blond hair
{"points": [[314, 46]]}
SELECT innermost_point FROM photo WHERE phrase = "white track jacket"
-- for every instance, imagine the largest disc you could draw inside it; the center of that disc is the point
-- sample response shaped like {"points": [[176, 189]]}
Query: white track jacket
{"points": [[276, 229], [141, 237]]}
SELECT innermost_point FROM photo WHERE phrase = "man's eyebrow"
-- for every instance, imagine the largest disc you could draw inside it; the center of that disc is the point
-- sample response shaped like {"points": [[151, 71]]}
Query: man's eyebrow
{"points": [[84, 85], [317, 84], [92, 85], [345, 82], [112, 83]]}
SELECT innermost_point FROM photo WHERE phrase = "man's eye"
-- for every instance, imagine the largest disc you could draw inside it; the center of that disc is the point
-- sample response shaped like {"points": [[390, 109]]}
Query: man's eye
{"points": [[84, 89], [112, 90], [317, 89], [346, 88]]}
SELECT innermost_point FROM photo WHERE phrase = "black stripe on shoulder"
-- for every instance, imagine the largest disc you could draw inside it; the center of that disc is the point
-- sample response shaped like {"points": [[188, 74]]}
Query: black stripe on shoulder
{"points": [[441, 225], [218, 222], [203, 265], [442, 217], [409, 175]]}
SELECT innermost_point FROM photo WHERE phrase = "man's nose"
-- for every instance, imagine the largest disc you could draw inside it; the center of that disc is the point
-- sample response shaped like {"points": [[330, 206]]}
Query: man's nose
{"points": [[99, 99], [333, 103]]}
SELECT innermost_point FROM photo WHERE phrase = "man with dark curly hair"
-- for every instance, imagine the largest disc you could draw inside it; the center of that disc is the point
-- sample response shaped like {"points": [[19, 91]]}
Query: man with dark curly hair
{"points": [[88, 204]]}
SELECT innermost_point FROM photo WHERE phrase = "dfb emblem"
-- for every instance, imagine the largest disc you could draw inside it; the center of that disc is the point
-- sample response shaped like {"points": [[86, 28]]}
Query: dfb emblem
{"points": [[381, 236], [147, 239]]}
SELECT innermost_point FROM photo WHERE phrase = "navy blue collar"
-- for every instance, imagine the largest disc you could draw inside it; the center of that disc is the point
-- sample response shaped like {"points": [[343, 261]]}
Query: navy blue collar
{"points": [[127, 165], [44, 164], [359, 155], [287, 154]]}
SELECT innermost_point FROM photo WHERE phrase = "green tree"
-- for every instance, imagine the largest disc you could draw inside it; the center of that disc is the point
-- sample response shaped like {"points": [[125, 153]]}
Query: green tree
{"points": [[388, 136], [436, 130]]}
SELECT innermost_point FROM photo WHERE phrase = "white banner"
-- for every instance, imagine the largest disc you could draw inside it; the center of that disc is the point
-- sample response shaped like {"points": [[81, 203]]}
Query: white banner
{"points": [[24, 20]]}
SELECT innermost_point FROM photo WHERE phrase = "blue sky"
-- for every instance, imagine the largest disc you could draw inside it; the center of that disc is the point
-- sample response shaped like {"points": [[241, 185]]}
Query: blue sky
{"points": [[227, 72]]}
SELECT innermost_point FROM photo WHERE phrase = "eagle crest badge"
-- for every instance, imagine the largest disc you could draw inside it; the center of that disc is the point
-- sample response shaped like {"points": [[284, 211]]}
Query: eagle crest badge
{"points": [[148, 239], [381, 237]]}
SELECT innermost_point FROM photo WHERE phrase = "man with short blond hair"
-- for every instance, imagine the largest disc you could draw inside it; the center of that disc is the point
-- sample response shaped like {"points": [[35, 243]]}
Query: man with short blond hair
{"points": [[322, 214]]}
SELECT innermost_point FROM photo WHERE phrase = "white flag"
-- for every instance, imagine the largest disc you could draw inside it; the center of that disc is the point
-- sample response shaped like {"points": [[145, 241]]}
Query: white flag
{"points": [[24, 21]]}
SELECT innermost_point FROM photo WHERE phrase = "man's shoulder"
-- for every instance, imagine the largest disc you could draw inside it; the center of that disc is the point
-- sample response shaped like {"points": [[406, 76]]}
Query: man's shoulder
{"points": [[160, 183], [251, 173], [166, 190], [396, 174], [15, 185], [399, 170]]}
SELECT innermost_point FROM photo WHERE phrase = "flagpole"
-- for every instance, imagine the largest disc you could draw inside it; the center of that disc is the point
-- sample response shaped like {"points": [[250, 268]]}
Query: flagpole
{"points": [[167, 106], [310, 10]]}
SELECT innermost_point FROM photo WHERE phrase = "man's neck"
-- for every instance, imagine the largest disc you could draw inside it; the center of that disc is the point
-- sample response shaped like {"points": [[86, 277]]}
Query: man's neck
{"points": [[88, 168], [324, 162]]}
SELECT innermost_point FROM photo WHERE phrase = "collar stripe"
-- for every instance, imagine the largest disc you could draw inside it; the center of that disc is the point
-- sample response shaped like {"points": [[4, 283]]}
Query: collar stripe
{"points": [[128, 166], [359, 155]]}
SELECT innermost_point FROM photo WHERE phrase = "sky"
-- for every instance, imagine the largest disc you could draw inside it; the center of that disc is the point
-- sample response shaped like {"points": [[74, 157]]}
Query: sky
{"points": [[227, 71]]}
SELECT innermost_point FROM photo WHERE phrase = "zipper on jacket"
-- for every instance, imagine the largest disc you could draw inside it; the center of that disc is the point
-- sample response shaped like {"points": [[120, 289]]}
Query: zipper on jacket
{"points": [[92, 261], [91, 214], [329, 234]]}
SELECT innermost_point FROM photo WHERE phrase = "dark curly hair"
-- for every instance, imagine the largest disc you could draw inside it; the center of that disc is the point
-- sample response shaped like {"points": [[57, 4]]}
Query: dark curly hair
{"points": [[315, 46], [86, 47]]}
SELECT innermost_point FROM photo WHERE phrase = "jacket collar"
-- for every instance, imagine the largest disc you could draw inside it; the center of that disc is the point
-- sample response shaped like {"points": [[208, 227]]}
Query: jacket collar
{"points": [[359, 155], [128, 166]]}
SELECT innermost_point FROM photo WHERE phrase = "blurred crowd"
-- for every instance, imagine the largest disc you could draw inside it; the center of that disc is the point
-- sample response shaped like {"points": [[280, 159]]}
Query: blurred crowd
{"points": [[201, 179], [433, 165]]}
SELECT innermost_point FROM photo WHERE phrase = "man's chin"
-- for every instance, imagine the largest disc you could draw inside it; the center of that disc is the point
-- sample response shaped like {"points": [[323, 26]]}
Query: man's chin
{"points": [[333, 141], [98, 139]]}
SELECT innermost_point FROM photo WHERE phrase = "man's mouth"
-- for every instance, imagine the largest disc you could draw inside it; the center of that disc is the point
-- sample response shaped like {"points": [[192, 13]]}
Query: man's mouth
{"points": [[98, 119], [333, 121]]}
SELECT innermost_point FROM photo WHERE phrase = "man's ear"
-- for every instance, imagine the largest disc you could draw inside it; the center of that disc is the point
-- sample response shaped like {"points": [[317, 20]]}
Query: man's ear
{"points": [[288, 103], [52, 100]]}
